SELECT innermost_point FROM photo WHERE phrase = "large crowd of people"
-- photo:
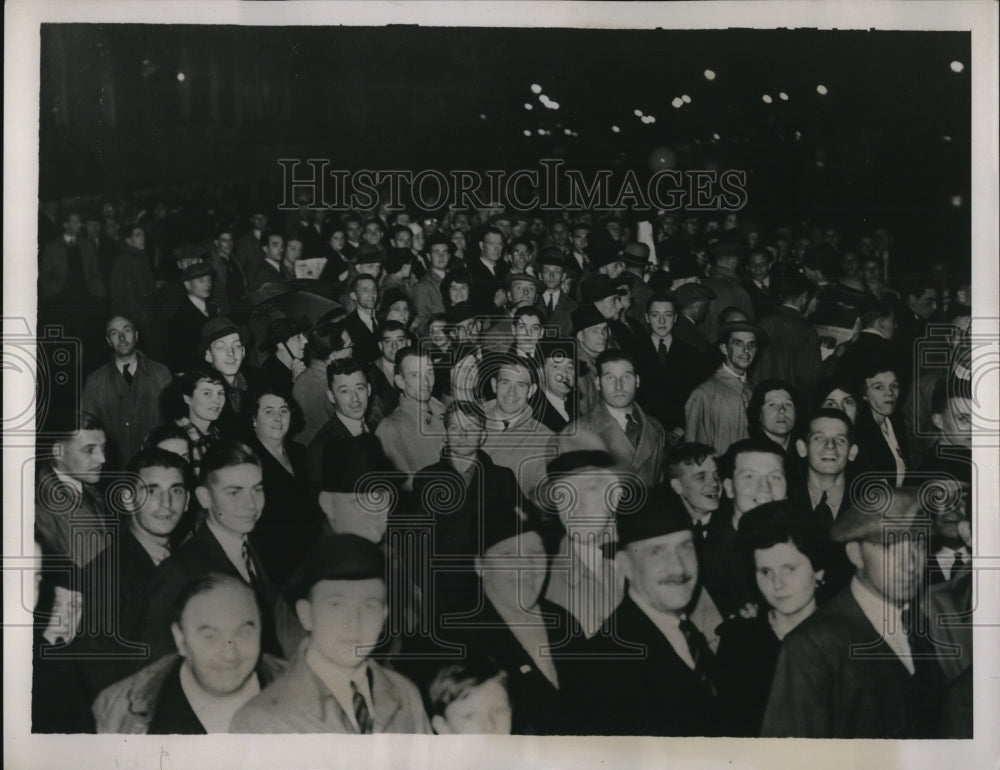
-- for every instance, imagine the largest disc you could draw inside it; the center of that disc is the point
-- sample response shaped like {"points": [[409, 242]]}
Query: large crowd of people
{"points": [[491, 471]]}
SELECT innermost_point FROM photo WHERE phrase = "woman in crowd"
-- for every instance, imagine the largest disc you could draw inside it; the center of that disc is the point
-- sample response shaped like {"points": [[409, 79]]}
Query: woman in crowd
{"points": [[456, 287], [170, 437], [397, 306], [881, 435], [786, 556], [194, 401], [837, 393], [288, 523]]}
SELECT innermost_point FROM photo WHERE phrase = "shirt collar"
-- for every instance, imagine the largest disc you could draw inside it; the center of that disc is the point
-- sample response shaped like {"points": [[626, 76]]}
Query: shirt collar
{"points": [[231, 543], [876, 332], [834, 496], [213, 711], [199, 303], [132, 361], [158, 551], [338, 682], [70, 480], [669, 625], [356, 427], [558, 403], [668, 341], [887, 620], [731, 373]]}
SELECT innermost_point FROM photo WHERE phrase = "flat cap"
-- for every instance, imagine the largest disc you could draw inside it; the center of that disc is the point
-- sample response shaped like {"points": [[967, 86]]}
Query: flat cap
{"points": [[196, 270], [338, 557], [877, 510], [217, 328]]}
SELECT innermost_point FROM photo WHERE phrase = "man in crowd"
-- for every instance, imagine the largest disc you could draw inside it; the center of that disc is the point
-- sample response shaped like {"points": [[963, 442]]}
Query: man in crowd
{"points": [[668, 366], [759, 285], [124, 394], [230, 283], [716, 411], [634, 438], [579, 238], [334, 686], [194, 311], [557, 304], [427, 291], [223, 350], [691, 303], [70, 516], [382, 373], [132, 286], [555, 401], [590, 329], [874, 342], [635, 256], [860, 666], [724, 282], [656, 649], [270, 266], [250, 247], [231, 491], [605, 295], [793, 353], [522, 292], [514, 439], [217, 669], [584, 487], [488, 270], [753, 473], [361, 324], [413, 433], [692, 473]]}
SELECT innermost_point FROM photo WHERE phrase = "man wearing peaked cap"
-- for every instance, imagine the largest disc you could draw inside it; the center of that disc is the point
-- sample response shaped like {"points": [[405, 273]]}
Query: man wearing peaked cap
{"points": [[184, 326], [333, 686], [286, 342], [222, 346], [864, 664], [656, 648], [725, 281], [590, 329]]}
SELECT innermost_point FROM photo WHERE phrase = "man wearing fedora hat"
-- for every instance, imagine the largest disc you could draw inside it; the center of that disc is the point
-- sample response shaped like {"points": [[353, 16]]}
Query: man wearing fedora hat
{"points": [[605, 294], [716, 411], [222, 347], [635, 256], [193, 311], [522, 291], [334, 686], [793, 354], [864, 664], [590, 329], [555, 303], [655, 674], [724, 281]]}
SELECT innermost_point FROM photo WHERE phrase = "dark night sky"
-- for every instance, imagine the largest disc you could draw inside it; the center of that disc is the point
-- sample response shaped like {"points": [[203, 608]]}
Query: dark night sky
{"points": [[408, 97]]}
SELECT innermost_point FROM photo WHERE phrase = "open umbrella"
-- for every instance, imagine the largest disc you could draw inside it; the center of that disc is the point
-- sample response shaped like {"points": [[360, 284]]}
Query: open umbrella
{"points": [[299, 297]]}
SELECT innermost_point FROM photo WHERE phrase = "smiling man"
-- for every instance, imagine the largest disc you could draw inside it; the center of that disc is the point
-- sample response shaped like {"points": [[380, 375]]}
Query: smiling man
{"points": [[125, 393], [656, 674], [217, 629], [231, 490], [716, 411], [223, 349], [334, 686]]}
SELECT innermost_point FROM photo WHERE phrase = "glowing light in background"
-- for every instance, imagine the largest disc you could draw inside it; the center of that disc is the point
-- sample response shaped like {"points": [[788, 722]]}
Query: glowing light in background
{"points": [[956, 200], [527, 132], [180, 77], [482, 116], [783, 96], [686, 99], [716, 137], [957, 66], [709, 75], [677, 102], [767, 98], [821, 89], [535, 88], [637, 113], [529, 106], [616, 130]]}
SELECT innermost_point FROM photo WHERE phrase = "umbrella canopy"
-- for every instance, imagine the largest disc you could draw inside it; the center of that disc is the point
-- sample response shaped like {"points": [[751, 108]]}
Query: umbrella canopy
{"points": [[301, 297]]}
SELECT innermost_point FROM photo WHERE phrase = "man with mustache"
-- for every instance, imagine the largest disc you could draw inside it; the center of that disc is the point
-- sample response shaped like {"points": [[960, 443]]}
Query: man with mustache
{"points": [[655, 675], [554, 404], [716, 411]]}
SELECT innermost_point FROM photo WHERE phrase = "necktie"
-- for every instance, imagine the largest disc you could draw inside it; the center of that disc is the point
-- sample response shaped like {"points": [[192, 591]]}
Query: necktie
{"points": [[704, 660], [700, 532], [248, 562], [506, 424], [632, 429], [127, 374], [661, 351], [960, 566], [548, 302], [823, 511], [361, 712]]}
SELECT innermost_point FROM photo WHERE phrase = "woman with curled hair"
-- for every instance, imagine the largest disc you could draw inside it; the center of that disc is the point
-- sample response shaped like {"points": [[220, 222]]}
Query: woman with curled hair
{"points": [[879, 428], [773, 413], [786, 555], [287, 524], [194, 401]]}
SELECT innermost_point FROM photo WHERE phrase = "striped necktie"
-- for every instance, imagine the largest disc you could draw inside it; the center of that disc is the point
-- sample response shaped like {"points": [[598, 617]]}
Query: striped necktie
{"points": [[361, 712]]}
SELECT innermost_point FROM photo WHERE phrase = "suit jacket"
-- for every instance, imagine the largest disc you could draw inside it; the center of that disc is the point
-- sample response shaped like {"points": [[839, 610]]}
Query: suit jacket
{"points": [[560, 315], [133, 705], [838, 678], [792, 352], [728, 293], [485, 283], [716, 411], [249, 253], [289, 524], [838, 568], [543, 411], [721, 566], [365, 342], [183, 332], [535, 700], [427, 300], [333, 438], [762, 300], [645, 459], [128, 412], [664, 387], [299, 702], [268, 273], [874, 454], [634, 683], [196, 558], [54, 267], [67, 522]]}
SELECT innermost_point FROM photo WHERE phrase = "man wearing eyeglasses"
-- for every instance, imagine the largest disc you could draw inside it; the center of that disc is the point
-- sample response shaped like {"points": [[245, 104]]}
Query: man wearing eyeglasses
{"points": [[716, 412]]}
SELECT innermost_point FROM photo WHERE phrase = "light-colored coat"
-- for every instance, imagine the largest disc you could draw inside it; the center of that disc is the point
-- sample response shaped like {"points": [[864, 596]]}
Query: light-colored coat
{"points": [[645, 459]]}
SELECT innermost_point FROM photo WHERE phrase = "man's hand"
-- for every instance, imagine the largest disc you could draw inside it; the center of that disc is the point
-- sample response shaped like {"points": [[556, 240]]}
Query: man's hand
{"points": [[67, 612]]}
